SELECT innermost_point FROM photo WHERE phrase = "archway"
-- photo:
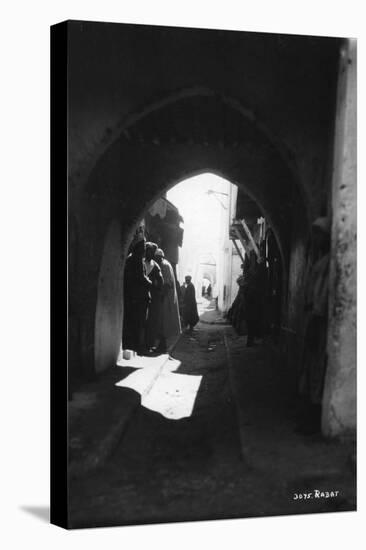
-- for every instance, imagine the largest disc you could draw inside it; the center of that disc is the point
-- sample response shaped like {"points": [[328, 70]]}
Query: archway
{"points": [[193, 135]]}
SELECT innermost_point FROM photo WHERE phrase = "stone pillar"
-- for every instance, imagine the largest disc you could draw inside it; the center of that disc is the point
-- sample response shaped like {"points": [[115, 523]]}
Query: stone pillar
{"points": [[109, 311], [339, 400]]}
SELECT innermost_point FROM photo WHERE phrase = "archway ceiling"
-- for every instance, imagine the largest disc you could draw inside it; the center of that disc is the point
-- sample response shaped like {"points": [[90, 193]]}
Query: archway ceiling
{"points": [[191, 136], [206, 120]]}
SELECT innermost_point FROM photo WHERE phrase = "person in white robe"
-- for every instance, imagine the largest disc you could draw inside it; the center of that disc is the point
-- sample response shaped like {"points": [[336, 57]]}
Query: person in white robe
{"points": [[170, 320]]}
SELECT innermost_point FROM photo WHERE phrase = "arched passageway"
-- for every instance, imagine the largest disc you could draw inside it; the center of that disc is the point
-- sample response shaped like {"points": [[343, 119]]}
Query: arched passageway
{"points": [[196, 134]]}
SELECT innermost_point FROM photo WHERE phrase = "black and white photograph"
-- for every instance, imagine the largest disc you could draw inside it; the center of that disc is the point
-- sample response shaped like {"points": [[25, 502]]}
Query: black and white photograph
{"points": [[182, 302], [209, 188]]}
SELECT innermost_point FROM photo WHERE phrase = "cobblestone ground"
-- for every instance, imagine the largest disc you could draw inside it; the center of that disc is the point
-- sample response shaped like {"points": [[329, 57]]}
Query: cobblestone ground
{"points": [[193, 468]]}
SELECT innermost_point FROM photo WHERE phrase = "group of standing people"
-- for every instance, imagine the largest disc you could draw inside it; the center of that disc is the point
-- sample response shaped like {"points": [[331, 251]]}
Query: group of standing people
{"points": [[151, 308]]}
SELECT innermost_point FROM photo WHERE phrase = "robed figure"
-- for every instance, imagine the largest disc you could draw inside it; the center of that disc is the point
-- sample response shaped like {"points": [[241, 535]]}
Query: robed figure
{"points": [[190, 311], [154, 316], [170, 321], [136, 299]]}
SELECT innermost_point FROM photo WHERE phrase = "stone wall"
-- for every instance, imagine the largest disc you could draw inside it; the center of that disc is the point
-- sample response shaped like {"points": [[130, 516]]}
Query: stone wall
{"points": [[339, 411]]}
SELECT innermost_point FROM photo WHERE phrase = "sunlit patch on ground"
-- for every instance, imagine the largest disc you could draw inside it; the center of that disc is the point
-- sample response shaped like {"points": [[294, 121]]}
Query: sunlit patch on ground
{"points": [[173, 395], [203, 305], [162, 390], [142, 362]]}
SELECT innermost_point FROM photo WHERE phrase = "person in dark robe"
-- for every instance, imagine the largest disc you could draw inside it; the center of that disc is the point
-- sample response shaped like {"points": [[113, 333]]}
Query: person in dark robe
{"points": [[190, 312], [253, 290], [182, 290], [235, 314], [136, 299], [314, 359], [209, 291], [154, 314]]}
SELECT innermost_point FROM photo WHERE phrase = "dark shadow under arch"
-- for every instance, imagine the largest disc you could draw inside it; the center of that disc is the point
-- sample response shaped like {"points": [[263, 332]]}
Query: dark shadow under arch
{"points": [[244, 111]]}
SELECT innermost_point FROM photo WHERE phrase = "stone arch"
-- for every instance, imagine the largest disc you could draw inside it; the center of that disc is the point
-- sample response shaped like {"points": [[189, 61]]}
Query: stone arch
{"points": [[137, 168], [247, 112]]}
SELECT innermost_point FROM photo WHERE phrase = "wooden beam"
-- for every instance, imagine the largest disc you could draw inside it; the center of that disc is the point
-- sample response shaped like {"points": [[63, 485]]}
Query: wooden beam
{"points": [[238, 250], [250, 237], [238, 234]]}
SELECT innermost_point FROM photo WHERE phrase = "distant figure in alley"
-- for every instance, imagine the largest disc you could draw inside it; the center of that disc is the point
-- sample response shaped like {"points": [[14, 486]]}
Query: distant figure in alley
{"points": [[190, 312]]}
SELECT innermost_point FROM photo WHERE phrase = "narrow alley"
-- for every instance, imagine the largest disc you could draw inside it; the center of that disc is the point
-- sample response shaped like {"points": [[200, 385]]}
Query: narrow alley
{"points": [[237, 455]]}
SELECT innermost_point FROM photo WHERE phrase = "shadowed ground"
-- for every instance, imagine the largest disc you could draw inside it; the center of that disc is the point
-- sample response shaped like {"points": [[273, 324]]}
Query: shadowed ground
{"points": [[237, 455]]}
